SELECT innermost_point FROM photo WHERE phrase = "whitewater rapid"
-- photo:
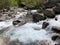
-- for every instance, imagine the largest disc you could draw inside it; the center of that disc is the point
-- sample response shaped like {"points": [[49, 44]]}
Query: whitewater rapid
{"points": [[30, 31]]}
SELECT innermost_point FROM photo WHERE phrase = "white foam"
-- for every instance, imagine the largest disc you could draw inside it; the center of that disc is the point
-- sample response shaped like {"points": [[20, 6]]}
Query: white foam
{"points": [[4, 24], [33, 11], [53, 22], [21, 14], [27, 33]]}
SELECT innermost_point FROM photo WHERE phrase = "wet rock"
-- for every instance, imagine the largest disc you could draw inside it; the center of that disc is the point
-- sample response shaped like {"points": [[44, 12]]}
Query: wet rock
{"points": [[57, 4], [29, 8], [11, 15], [58, 39], [19, 22], [1, 11], [56, 18], [8, 8], [12, 9], [46, 42], [49, 13], [45, 24], [49, 4], [22, 4], [4, 10], [56, 9], [20, 10], [16, 22], [56, 1], [57, 44], [56, 29], [1, 20], [54, 38], [38, 17]]}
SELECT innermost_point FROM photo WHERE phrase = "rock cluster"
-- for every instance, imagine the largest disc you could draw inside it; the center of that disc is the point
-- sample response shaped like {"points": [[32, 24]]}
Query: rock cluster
{"points": [[49, 9]]}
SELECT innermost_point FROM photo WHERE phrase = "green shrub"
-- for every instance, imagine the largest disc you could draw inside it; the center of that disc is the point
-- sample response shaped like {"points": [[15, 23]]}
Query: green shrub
{"points": [[13, 3], [31, 3], [28, 3]]}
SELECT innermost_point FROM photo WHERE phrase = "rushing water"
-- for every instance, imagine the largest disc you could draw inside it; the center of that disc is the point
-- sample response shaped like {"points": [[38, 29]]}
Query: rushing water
{"points": [[27, 32], [30, 32]]}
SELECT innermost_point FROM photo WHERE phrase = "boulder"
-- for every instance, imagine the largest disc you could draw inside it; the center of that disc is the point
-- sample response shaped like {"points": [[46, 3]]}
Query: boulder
{"points": [[49, 13], [46, 42], [29, 8], [8, 8], [19, 22], [56, 1], [11, 15], [56, 9], [22, 4], [38, 17], [45, 24], [5, 10], [49, 4], [54, 38], [16, 22], [57, 44], [56, 29]]}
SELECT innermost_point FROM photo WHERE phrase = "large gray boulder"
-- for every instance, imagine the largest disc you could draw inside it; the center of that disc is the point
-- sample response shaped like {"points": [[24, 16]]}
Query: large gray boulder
{"points": [[56, 29], [38, 17], [44, 25], [49, 4], [49, 13], [57, 9]]}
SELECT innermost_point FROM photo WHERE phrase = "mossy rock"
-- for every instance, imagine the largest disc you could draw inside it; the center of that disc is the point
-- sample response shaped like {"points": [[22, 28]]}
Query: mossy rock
{"points": [[49, 13]]}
